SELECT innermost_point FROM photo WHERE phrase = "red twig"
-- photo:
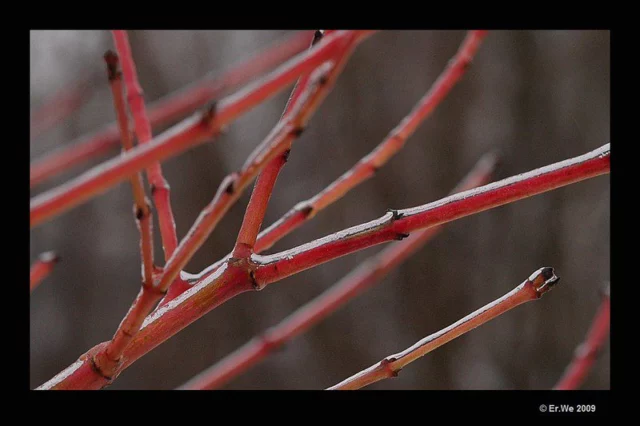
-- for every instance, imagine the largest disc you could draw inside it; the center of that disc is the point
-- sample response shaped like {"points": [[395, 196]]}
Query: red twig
{"points": [[369, 273], [41, 268], [169, 108], [142, 211], [397, 224], [238, 276], [160, 190], [185, 135], [585, 354], [60, 106], [539, 283], [394, 141], [257, 207]]}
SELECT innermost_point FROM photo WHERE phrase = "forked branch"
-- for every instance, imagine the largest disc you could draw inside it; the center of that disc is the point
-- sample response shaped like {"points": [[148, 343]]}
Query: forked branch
{"points": [[397, 224], [160, 190], [142, 211], [540, 282], [393, 143], [234, 184], [363, 170], [369, 273], [257, 207]]}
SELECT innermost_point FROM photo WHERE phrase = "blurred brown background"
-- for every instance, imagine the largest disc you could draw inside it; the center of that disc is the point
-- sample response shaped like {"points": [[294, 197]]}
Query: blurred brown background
{"points": [[536, 96]]}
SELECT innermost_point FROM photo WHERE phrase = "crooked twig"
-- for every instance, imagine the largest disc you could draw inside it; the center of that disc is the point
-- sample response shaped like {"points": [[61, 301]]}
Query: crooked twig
{"points": [[368, 165], [540, 282], [169, 108], [41, 268], [586, 354], [369, 273], [185, 135], [233, 278], [160, 190]]}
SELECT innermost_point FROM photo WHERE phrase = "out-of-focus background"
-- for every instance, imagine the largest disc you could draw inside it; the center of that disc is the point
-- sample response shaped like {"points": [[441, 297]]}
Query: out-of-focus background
{"points": [[535, 96]]}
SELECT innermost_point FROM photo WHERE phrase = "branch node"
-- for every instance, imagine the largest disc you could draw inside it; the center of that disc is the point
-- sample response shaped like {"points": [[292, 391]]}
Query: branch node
{"points": [[256, 286], [297, 132], [153, 289], [317, 36], [386, 364], [543, 280], [209, 113], [111, 58], [395, 214], [230, 189]]}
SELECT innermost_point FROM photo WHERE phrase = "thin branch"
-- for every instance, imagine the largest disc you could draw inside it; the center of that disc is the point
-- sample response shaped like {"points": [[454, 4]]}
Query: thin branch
{"points": [[257, 207], [160, 190], [41, 268], [586, 354], [539, 283], [142, 212], [187, 134], [169, 108], [60, 106], [235, 277], [393, 143], [397, 224], [369, 273]]}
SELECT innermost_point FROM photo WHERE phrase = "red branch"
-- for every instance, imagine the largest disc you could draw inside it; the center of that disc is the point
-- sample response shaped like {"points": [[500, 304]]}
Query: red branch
{"points": [[257, 207], [41, 268], [240, 275], [539, 283], [160, 190], [169, 108], [187, 134], [397, 224], [369, 273], [142, 211], [393, 143], [585, 354]]}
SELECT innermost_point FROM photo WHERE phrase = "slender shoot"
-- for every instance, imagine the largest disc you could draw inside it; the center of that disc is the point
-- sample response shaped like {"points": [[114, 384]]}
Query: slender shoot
{"points": [[540, 282]]}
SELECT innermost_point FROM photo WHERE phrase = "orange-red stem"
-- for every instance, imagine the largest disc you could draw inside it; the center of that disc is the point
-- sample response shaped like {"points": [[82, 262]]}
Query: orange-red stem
{"points": [[160, 190]]}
